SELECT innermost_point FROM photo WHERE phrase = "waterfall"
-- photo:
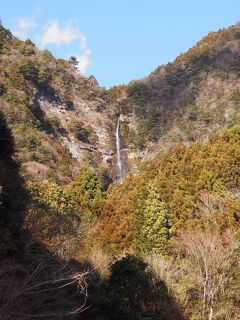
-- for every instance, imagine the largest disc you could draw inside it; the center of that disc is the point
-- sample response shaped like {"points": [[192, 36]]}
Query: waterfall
{"points": [[118, 147]]}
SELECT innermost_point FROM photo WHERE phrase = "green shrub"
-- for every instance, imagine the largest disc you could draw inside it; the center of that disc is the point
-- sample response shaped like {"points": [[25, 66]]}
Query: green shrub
{"points": [[46, 56], [53, 121], [85, 134], [2, 89], [26, 49], [137, 90], [44, 76], [29, 69]]}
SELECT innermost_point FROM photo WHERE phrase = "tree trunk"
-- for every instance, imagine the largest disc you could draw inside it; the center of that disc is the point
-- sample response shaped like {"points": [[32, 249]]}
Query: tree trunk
{"points": [[210, 314]]}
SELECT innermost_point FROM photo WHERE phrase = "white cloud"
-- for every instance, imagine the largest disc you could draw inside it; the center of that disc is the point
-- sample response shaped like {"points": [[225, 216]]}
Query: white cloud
{"points": [[84, 60], [55, 35], [22, 26]]}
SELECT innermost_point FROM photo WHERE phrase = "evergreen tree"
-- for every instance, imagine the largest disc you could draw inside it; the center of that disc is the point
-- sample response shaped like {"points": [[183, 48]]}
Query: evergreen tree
{"points": [[155, 228], [74, 62]]}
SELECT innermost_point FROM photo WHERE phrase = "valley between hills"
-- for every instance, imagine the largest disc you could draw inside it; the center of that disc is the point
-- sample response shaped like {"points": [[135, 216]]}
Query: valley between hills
{"points": [[120, 203]]}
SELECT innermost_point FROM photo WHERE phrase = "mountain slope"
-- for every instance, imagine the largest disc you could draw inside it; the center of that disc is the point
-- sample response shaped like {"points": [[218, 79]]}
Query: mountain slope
{"points": [[61, 119], [187, 99], [191, 186], [179, 210], [56, 115]]}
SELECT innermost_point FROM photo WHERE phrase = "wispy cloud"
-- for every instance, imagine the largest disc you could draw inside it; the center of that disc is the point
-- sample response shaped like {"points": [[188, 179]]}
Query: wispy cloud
{"points": [[84, 60], [22, 26], [54, 35], [57, 36]]}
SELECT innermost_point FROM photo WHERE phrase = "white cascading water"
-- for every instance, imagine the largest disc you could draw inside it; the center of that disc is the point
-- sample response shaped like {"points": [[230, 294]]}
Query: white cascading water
{"points": [[118, 147]]}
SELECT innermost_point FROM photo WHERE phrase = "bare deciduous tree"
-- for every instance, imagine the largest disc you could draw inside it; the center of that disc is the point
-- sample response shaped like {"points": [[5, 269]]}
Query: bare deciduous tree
{"points": [[45, 289], [208, 258], [101, 262], [164, 268], [209, 204]]}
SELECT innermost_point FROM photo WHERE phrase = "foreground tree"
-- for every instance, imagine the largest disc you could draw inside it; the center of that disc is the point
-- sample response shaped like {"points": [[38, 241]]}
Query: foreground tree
{"points": [[210, 261], [132, 292]]}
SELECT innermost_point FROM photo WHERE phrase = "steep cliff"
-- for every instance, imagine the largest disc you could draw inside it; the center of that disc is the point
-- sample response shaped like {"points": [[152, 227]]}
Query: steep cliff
{"points": [[60, 119]]}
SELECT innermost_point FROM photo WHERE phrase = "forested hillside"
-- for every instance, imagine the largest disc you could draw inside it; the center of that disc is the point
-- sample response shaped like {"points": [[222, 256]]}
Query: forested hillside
{"points": [[187, 99], [181, 210], [158, 241], [60, 119], [55, 114]]}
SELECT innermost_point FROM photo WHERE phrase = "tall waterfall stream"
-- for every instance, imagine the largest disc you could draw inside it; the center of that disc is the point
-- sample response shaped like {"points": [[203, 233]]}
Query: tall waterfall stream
{"points": [[118, 147]]}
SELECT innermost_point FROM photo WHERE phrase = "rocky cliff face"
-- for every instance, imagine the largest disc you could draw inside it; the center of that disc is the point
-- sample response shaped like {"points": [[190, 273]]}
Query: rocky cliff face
{"points": [[61, 120], [84, 113]]}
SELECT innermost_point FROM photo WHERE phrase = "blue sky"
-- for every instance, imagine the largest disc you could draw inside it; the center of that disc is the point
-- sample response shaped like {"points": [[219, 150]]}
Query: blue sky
{"points": [[117, 41]]}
